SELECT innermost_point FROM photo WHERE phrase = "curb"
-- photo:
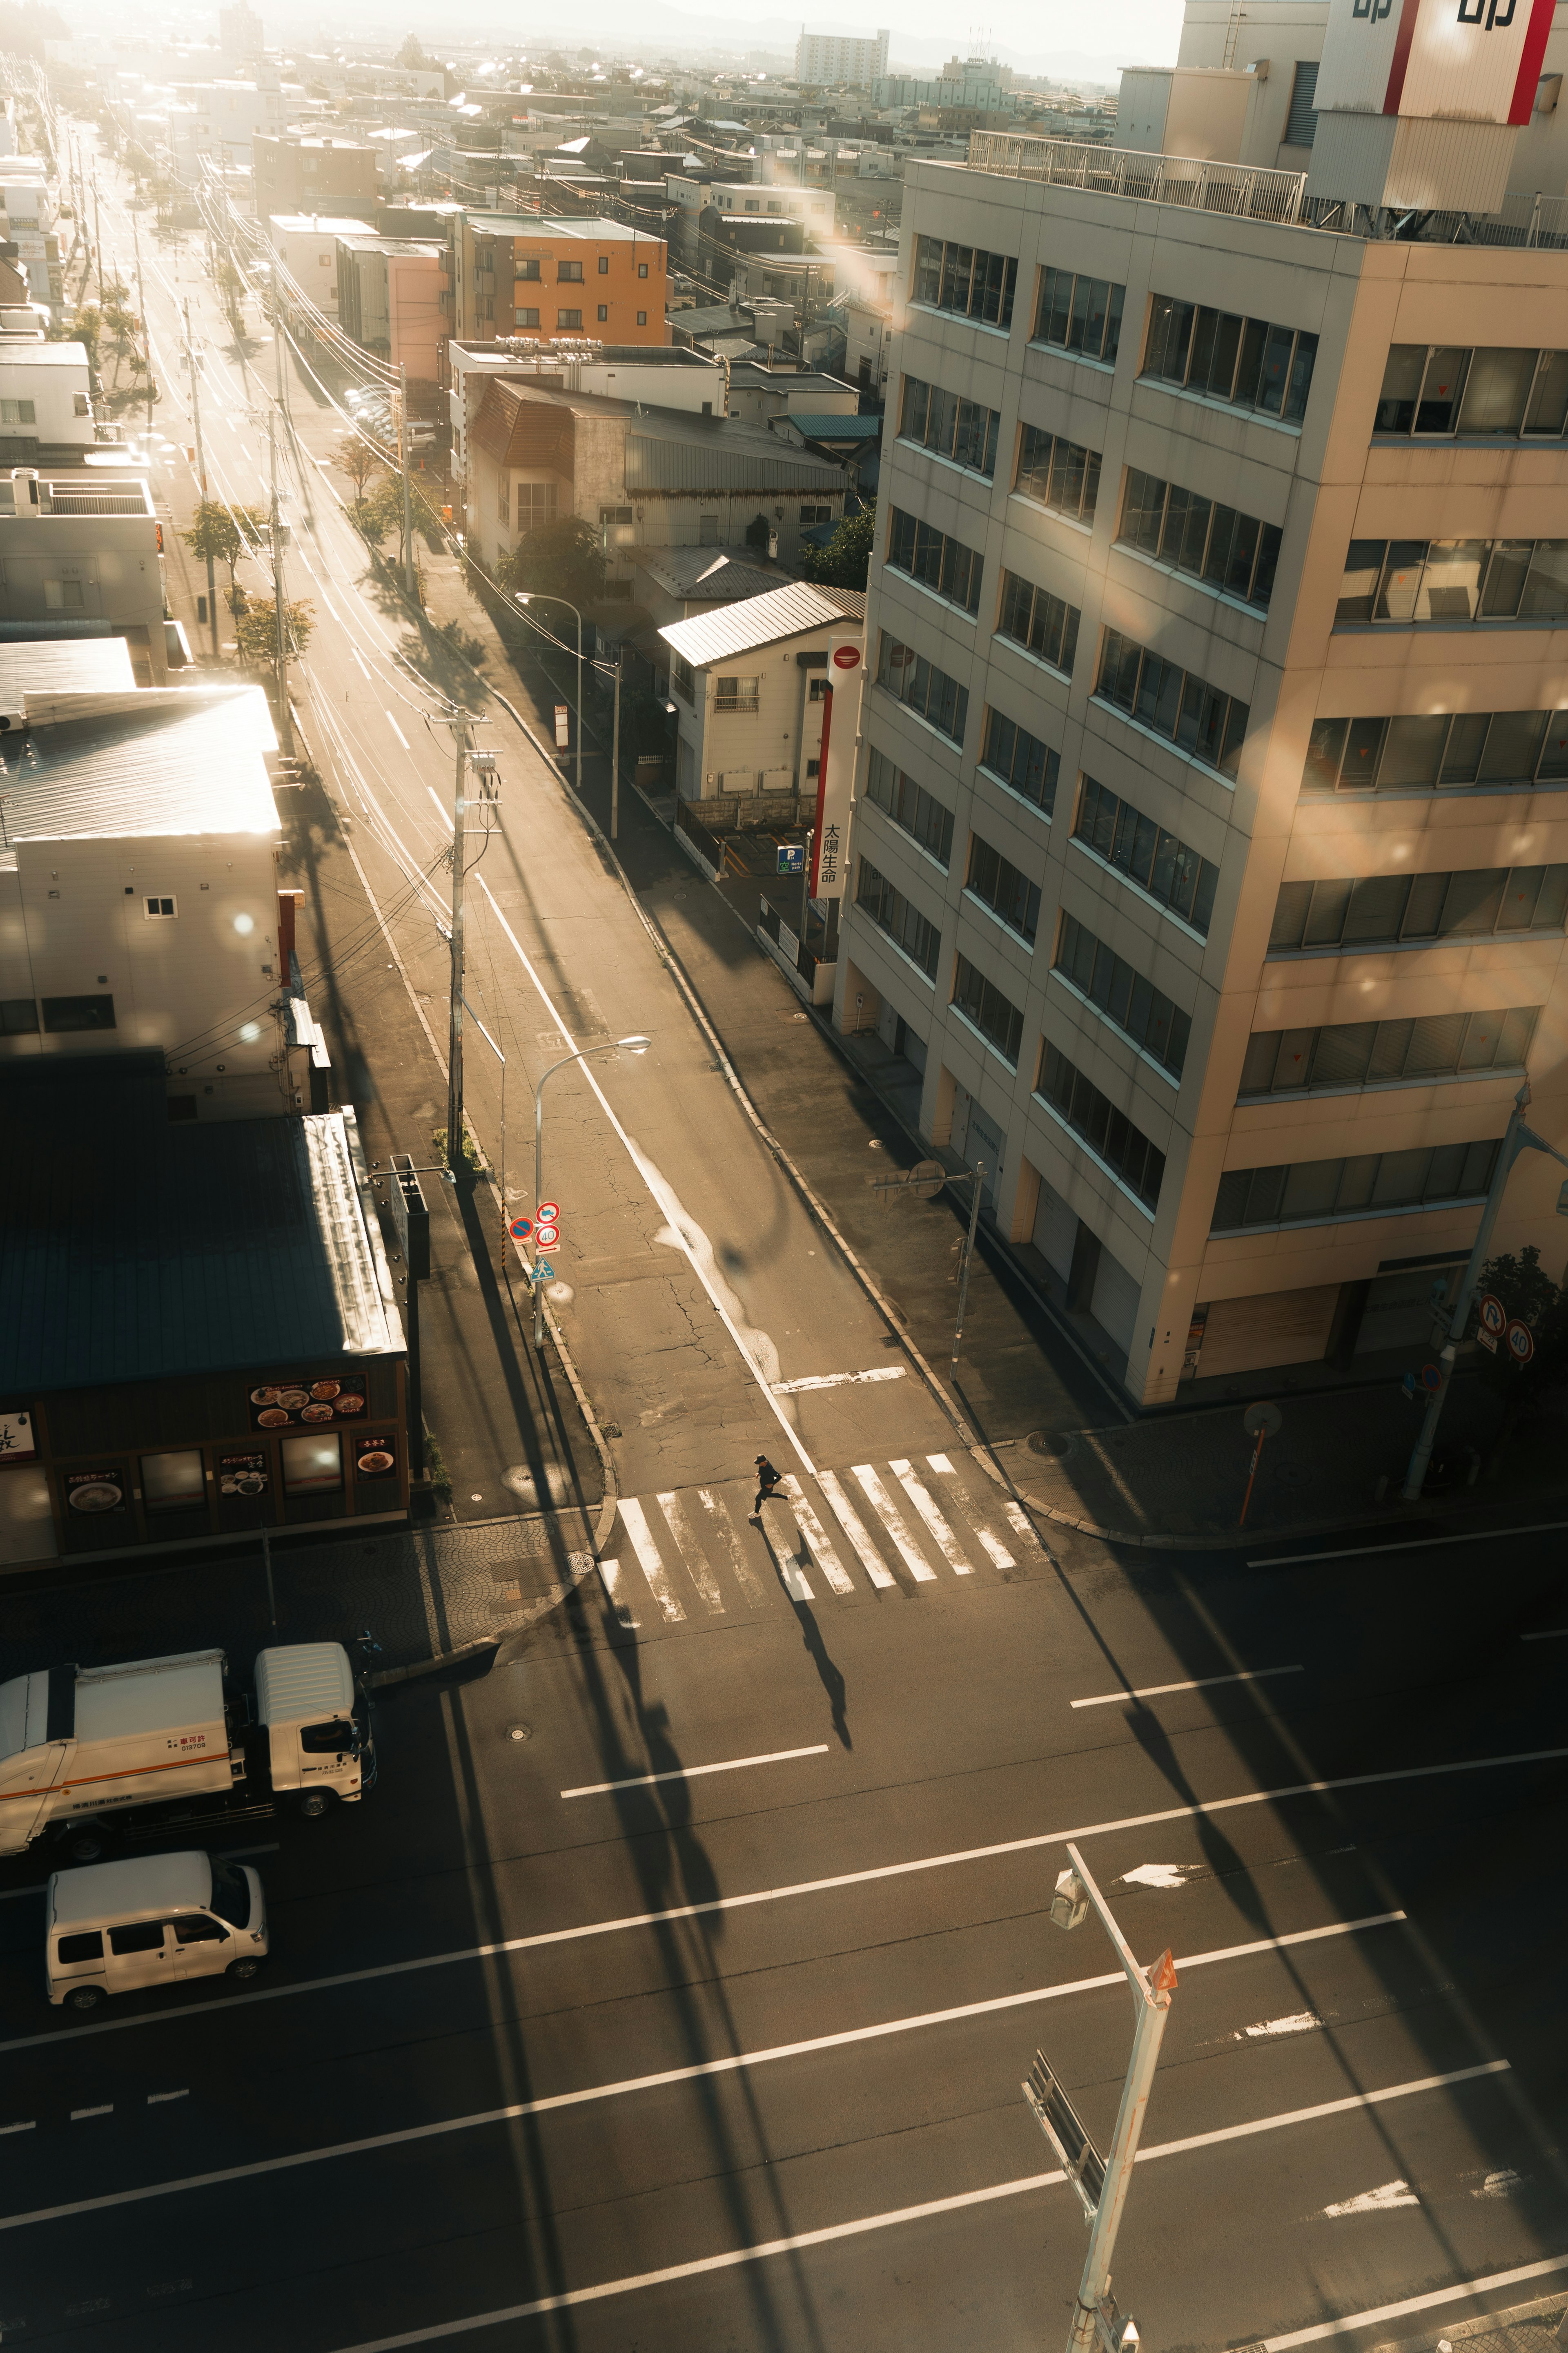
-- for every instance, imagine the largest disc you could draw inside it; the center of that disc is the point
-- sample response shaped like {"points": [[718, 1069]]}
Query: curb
{"points": [[432, 1666], [1236, 1539]]}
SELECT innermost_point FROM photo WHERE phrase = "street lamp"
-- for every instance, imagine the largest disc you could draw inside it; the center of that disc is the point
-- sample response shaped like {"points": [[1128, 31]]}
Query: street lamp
{"points": [[1517, 1138], [1103, 2183], [635, 1045], [534, 597]]}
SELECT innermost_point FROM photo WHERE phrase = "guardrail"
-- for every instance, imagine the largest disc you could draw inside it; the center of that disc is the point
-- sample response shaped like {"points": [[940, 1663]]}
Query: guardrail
{"points": [[1233, 188]]}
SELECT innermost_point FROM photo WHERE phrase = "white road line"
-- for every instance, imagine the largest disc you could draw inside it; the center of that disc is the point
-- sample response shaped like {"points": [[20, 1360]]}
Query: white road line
{"points": [[359, 657], [648, 1561], [694, 1772], [719, 1903], [1436, 2297], [397, 731], [853, 1527], [31, 2127], [1415, 1544], [156, 2099], [996, 1552], [1018, 1520], [837, 1380], [822, 1550], [888, 1512], [610, 1570], [723, 1528], [1547, 1634], [784, 1559], [691, 1553], [106, 2110], [737, 2061], [920, 1496], [835, 2231], [1199, 1682], [442, 811]]}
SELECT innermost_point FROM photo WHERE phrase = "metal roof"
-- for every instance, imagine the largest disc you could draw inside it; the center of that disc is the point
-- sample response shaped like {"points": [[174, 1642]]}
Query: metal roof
{"points": [[231, 1243], [789, 612], [837, 429], [63, 666], [162, 760], [705, 575], [672, 452]]}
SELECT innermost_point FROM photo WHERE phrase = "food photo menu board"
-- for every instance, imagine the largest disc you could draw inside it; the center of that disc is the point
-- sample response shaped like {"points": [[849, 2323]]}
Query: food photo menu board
{"points": [[284, 1405]]}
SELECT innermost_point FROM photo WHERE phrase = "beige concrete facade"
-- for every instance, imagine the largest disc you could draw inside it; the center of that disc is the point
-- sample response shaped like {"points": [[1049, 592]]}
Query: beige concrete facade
{"points": [[1284, 1290]]}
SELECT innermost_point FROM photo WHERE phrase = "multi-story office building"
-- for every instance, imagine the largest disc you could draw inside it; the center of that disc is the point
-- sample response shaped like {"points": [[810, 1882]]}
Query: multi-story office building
{"points": [[1211, 840], [825, 60]]}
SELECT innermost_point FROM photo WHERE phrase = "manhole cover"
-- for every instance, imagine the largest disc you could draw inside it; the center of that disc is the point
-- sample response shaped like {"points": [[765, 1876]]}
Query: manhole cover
{"points": [[1049, 1441], [519, 1732]]}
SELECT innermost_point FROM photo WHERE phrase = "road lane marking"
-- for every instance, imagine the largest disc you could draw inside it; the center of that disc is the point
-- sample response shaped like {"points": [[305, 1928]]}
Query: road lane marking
{"points": [[837, 1380], [1430, 2302], [442, 811], [106, 2110], [443, 2128], [1547, 1634], [1199, 1682], [888, 1512], [31, 2127], [691, 1553], [720, 1903], [610, 1570], [853, 1527], [723, 1528], [637, 1527], [835, 2231], [920, 1496], [1414, 1544], [997, 1553], [398, 733], [1381, 2200], [156, 2099], [359, 657], [694, 1772], [822, 1550]]}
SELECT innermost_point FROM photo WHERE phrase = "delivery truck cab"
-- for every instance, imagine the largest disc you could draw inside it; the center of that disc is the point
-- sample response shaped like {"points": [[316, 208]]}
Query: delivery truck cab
{"points": [[155, 1920]]}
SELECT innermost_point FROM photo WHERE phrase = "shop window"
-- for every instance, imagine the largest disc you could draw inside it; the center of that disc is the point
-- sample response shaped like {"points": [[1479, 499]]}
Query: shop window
{"points": [[18, 1017], [64, 1013], [171, 1483], [312, 1464]]}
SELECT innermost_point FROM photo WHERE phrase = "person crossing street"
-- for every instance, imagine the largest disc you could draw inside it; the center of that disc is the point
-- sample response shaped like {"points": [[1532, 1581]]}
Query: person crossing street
{"points": [[768, 1483]]}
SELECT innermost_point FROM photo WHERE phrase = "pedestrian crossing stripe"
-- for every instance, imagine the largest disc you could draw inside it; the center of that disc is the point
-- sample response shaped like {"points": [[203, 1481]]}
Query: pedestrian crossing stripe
{"points": [[695, 1556]]}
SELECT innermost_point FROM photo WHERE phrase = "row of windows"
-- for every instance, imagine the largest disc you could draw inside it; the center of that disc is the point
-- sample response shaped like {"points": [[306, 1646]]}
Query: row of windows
{"points": [[1428, 580], [1436, 390], [1132, 1004], [923, 688], [62, 1015], [1059, 474], [1079, 314], [918, 813], [1374, 1053], [899, 917], [1042, 624], [1230, 551], [940, 563], [1160, 864], [1379, 909], [1312, 1190], [1430, 752], [961, 430], [1198, 718], [998, 884], [1247, 362], [962, 277], [1020, 761], [1108, 1131], [991, 1012]]}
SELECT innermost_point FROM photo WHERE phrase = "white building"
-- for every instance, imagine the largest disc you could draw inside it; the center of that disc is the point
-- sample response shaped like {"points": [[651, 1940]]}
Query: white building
{"points": [[84, 555], [815, 208], [307, 245], [827, 59], [46, 402], [747, 680]]}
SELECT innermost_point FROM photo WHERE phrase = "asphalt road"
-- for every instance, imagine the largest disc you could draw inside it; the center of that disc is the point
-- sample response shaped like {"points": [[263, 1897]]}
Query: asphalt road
{"points": [[731, 2058]]}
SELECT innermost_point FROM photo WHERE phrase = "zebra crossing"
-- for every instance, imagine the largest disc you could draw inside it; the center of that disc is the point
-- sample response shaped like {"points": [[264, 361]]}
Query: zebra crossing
{"points": [[691, 1556]]}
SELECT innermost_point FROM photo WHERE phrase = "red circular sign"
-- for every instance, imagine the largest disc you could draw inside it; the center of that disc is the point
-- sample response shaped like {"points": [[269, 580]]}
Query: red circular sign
{"points": [[1520, 1341], [548, 1213], [1494, 1314], [846, 657], [546, 1237]]}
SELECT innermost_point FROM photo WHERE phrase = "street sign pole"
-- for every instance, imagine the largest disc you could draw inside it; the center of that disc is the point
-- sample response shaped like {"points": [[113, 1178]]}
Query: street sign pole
{"points": [[976, 1185], [455, 1026], [1259, 1421]]}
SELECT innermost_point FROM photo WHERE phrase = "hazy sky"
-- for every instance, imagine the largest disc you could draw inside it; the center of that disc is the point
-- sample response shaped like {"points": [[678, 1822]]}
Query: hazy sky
{"points": [[1143, 29]]}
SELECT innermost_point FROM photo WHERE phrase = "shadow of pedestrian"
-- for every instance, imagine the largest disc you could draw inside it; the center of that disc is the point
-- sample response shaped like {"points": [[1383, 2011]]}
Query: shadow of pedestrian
{"points": [[831, 1678]]}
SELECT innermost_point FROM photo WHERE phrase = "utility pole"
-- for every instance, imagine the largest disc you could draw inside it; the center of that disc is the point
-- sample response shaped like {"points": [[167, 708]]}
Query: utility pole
{"points": [[278, 345], [201, 476], [976, 1186], [408, 579], [97, 229], [455, 1161], [285, 715], [615, 755], [146, 330]]}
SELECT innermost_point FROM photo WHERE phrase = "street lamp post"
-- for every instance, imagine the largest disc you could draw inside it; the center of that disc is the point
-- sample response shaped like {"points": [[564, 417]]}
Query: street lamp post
{"points": [[535, 596], [1517, 1138], [635, 1045]]}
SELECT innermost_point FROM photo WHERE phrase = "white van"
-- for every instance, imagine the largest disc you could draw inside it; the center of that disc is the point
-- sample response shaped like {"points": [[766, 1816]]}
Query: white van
{"points": [[121, 1927]]}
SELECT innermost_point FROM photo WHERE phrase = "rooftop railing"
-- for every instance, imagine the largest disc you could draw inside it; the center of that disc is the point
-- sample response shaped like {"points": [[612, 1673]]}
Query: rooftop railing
{"points": [[1234, 188]]}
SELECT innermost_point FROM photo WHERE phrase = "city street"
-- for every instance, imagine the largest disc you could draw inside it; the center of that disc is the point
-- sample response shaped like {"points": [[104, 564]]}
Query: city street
{"points": [[674, 1987]]}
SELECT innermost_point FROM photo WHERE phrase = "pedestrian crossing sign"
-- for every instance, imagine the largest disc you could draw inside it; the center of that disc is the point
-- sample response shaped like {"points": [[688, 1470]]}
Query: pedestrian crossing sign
{"points": [[542, 1270]]}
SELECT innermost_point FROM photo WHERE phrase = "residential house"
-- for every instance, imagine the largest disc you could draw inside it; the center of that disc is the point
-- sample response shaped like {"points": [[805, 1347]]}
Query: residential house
{"points": [[520, 273], [307, 245]]}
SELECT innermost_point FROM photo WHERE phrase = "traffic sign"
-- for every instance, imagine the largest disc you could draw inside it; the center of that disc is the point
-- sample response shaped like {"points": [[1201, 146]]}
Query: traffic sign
{"points": [[545, 1237], [1431, 1379], [549, 1213], [1520, 1341], [1060, 2121], [563, 728], [542, 1270], [790, 858], [1494, 1320], [521, 1228], [1263, 1420]]}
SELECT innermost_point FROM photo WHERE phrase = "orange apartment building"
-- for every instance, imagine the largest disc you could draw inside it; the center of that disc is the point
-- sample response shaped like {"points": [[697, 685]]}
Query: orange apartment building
{"points": [[530, 274]]}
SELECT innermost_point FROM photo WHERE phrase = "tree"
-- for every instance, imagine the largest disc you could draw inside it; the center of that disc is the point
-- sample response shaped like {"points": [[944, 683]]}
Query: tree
{"points": [[1531, 1295], [225, 536], [353, 456], [27, 29], [412, 58], [381, 512], [256, 631], [556, 559], [844, 562]]}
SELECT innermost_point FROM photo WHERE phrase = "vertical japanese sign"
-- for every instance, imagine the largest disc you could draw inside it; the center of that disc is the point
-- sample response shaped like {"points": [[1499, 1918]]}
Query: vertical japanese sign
{"points": [[835, 771]]}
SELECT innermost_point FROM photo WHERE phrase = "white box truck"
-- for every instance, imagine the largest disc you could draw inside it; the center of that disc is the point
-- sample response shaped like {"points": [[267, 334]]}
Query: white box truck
{"points": [[87, 1751]]}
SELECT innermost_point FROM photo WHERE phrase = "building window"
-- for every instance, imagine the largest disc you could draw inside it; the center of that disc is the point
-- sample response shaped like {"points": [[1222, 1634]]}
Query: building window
{"points": [[23, 412], [642, 269], [312, 1463], [18, 1017], [1020, 761], [986, 1009], [63, 1014], [604, 265], [642, 318], [909, 805], [944, 565], [604, 312], [1247, 362], [568, 320], [616, 514], [815, 515], [171, 1483], [528, 270], [1058, 474], [1314, 1192], [1109, 1135], [1079, 314], [938, 699], [1199, 719], [1135, 846], [963, 278], [62, 595], [682, 679], [80, 405], [1039, 622], [1439, 752], [1374, 1053], [902, 921], [569, 274], [158, 911], [997, 884], [1435, 391], [1128, 1001], [752, 206], [525, 317], [503, 502], [735, 694], [1381, 910], [1226, 550], [535, 504], [964, 432], [1441, 581]]}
